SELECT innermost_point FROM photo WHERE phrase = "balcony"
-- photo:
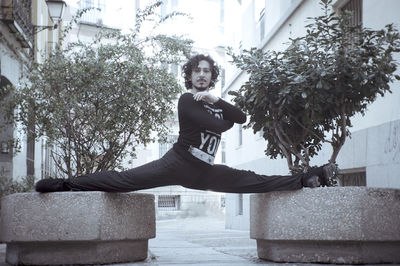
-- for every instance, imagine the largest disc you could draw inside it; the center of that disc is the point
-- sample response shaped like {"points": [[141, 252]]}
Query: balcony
{"points": [[16, 14]]}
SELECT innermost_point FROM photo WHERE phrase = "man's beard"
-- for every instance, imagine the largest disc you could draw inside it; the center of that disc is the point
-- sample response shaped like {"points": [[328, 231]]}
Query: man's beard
{"points": [[200, 88]]}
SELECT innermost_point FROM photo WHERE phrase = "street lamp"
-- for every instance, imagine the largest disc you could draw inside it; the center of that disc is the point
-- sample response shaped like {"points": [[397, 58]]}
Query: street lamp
{"points": [[56, 10]]}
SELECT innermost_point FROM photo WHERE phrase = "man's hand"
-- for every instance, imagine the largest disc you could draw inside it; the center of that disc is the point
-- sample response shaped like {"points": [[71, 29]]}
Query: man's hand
{"points": [[205, 96]]}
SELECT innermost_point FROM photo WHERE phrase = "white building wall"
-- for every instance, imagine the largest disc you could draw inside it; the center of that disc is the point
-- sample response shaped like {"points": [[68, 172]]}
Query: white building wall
{"points": [[375, 137], [377, 14], [233, 219], [11, 68]]}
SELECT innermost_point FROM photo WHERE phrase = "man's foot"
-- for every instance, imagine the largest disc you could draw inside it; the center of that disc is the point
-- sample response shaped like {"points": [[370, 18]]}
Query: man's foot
{"points": [[328, 171], [311, 181], [325, 173], [51, 185]]}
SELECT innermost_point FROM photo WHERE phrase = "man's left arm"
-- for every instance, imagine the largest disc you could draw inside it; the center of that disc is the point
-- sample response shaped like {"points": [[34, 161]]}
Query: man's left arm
{"points": [[231, 112]]}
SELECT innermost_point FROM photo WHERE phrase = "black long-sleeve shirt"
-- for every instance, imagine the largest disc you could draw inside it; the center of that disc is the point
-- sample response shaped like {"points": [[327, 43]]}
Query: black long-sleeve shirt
{"points": [[201, 125]]}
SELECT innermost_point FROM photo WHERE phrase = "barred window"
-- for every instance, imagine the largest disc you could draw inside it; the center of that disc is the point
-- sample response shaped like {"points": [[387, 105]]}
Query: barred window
{"points": [[354, 6], [353, 177], [169, 202], [223, 202]]}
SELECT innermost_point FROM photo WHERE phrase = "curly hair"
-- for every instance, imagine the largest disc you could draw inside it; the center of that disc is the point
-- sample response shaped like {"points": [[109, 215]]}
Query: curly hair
{"points": [[194, 62]]}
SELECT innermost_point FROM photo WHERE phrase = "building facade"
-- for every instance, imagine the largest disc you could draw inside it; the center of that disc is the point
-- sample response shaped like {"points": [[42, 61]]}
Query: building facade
{"points": [[371, 157], [24, 38]]}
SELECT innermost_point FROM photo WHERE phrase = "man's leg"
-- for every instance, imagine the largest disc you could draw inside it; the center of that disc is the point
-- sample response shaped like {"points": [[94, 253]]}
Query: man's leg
{"points": [[222, 178], [162, 172]]}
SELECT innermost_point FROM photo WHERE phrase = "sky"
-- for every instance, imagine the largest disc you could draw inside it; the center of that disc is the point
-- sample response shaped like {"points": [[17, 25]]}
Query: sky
{"points": [[203, 27]]}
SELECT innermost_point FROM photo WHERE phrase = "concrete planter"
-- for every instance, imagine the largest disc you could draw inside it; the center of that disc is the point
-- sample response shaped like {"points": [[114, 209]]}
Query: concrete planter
{"points": [[345, 225], [76, 227]]}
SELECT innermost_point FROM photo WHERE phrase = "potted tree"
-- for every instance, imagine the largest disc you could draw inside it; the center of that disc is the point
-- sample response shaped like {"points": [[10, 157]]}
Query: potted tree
{"points": [[301, 98], [307, 94]]}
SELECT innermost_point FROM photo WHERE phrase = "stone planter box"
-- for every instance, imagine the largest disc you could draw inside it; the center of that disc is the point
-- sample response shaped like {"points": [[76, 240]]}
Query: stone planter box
{"points": [[344, 225], [76, 227]]}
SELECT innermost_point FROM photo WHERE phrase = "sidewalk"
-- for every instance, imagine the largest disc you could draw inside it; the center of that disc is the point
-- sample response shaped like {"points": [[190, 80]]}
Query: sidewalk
{"points": [[202, 241]]}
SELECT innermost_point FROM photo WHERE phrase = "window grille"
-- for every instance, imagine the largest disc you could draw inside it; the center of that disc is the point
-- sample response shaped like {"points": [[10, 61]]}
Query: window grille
{"points": [[169, 202], [355, 6], [353, 177], [48, 167], [223, 202]]}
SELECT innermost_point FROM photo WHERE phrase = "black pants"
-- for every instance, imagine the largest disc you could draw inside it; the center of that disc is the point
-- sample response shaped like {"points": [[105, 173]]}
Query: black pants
{"points": [[173, 169]]}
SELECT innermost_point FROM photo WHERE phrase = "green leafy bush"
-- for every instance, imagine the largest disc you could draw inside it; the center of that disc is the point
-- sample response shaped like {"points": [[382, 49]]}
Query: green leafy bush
{"points": [[10, 186], [94, 102]]}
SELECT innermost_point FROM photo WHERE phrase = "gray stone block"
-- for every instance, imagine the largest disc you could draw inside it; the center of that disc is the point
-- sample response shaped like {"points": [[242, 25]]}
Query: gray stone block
{"points": [[76, 227], [349, 225]]}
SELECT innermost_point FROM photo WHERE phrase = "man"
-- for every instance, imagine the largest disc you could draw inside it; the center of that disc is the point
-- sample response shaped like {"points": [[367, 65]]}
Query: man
{"points": [[190, 163]]}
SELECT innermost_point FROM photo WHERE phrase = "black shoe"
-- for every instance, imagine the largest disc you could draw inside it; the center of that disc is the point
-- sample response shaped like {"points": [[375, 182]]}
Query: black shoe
{"points": [[51, 185], [311, 181], [328, 171], [325, 173]]}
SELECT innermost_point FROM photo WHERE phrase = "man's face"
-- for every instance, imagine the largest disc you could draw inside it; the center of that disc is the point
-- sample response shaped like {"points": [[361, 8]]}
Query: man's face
{"points": [[201, 76]]}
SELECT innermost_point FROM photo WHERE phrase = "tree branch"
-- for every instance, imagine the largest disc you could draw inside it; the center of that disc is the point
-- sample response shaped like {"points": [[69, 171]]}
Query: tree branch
{"points": [[342, 138]]}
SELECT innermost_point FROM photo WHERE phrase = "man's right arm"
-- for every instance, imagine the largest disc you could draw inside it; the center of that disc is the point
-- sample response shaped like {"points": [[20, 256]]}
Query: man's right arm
{"points": [[194, 111]]}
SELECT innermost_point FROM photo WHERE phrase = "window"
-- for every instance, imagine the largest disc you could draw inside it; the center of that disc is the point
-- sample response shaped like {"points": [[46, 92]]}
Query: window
{"points": [[222, 78], [5, 149], [96, 12], [240, 135], [354, 6], [48, 166], [262, 24], [259, 16], [240, 204], [87, 3], [30, 148], [223, 153], [6, 126], [168, 6], [169, 202], [353, 177], [223, 202]]}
